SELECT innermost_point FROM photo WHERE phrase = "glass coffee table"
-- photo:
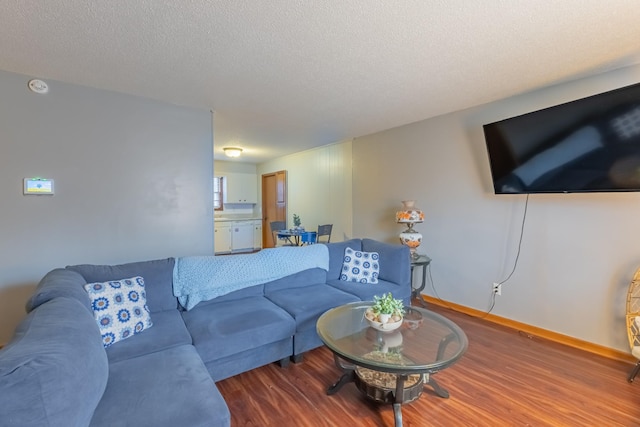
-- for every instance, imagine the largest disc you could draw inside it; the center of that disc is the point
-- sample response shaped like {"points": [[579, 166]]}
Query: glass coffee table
{"points": [[391, 366]]}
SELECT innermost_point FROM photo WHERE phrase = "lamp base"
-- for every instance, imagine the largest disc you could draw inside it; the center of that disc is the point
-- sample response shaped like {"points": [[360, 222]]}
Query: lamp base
{"points": [[412, 239]]}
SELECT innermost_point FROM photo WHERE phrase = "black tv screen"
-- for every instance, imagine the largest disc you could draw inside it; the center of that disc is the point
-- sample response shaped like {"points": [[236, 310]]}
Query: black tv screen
{"points": [[588, 145]]}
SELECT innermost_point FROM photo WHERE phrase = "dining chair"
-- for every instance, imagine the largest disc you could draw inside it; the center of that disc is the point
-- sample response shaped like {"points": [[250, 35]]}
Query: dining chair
{"points": [[308, 238], [276, 226], [324, 230]]}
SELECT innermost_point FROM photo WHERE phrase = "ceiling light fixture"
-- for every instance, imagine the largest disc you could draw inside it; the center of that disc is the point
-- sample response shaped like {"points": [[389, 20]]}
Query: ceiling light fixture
{"points": [[232, 151]]}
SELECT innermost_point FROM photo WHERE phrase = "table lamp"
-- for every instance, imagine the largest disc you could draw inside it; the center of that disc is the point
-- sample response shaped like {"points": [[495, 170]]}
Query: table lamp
{"points": [[410, 215]]}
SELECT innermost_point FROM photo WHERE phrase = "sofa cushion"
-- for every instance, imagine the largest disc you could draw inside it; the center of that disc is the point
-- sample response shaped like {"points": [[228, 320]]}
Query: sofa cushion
{"points": [[360, 267], [336, 255], [120, 308], [251, 291], [54, 371], [166, 388], [395, 261], [229, 327], [237, 363], [168, 331], [157, 274], [306, 304], [366, 293], [59, 283], [311, 276]]}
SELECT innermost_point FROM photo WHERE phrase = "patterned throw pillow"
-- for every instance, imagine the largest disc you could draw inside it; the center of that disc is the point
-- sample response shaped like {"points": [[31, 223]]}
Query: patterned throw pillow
{"points": [[120, 308], [358, 266]]}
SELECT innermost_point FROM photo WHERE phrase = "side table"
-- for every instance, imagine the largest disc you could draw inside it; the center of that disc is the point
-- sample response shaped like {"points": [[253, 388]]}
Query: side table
{"points": [[422, 261]]}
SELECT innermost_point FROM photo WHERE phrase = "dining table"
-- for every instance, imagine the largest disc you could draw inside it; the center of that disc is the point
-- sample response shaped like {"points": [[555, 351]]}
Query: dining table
{"points": [[292, 235]]}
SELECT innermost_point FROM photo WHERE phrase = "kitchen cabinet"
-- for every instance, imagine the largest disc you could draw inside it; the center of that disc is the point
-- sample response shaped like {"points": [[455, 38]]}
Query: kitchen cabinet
{"points": [[241, 188], [257, 234], [237, 235], [222, 237], [242, 236]]}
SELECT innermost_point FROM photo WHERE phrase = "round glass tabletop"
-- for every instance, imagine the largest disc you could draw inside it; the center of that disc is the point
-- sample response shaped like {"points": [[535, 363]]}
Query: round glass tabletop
{"points": [[426, 342]]}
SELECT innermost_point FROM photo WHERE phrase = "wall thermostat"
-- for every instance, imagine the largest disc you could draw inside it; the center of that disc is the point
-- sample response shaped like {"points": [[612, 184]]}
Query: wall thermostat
{"points": [[38, 186]]}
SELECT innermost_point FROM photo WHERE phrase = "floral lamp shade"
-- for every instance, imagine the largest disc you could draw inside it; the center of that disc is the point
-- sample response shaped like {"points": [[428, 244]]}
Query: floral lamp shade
{"points": [[410, 215]]}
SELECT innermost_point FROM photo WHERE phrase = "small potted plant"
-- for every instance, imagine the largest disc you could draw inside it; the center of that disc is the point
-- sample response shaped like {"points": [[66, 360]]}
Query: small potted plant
{"points": [[296, 221], [385, 309]]}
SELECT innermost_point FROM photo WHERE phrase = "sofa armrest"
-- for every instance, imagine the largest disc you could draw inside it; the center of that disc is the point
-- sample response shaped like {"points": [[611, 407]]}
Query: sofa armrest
{"points": [[55, 369], [59, 283]]}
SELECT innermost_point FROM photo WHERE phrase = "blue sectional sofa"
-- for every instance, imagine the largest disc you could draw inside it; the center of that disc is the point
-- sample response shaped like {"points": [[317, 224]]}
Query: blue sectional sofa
{"points": [[57, 372]]}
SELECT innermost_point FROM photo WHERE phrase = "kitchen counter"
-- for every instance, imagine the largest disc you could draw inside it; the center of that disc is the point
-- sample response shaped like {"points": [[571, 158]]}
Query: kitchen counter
{"points": [[236, 218]]}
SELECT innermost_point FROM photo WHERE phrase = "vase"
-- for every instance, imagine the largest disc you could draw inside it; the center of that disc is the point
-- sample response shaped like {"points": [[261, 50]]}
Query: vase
{"points": [[384, 317]]}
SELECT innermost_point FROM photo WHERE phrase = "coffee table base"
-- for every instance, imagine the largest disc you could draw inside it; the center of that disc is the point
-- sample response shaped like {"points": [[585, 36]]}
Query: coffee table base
{"points": [[347, 377], [387, 393], [396, 396]]}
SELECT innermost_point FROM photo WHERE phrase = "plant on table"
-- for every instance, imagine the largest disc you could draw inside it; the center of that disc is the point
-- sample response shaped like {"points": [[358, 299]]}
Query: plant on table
{"points": [[385, 309], [296, 220]]}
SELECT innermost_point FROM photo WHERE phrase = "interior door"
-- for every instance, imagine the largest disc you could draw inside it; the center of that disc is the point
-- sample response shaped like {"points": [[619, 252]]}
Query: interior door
{"points": [[274, 203]]}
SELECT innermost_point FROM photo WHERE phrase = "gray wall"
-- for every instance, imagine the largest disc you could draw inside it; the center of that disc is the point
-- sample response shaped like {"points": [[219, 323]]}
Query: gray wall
{"points": [[132, 180], [579, 251]]}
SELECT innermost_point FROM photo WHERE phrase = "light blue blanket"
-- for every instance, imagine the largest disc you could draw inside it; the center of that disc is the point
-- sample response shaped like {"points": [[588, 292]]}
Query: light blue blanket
{"points": [[201, 278]]}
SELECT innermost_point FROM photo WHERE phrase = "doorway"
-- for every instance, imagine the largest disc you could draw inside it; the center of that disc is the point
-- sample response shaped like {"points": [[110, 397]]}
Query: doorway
{"points": [[274, 203]]}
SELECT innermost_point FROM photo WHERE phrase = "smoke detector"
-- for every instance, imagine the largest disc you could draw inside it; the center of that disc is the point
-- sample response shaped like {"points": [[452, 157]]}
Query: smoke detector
{"points": [[38, 86]]}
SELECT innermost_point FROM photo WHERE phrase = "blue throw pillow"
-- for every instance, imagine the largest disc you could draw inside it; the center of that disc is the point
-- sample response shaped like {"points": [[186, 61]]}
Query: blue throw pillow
{"points": [[120, 308], [359, 266]]}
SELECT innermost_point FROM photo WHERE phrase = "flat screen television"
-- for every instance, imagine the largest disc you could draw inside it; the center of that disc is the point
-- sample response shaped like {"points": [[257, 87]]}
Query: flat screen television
{"points": [[588, 145]]}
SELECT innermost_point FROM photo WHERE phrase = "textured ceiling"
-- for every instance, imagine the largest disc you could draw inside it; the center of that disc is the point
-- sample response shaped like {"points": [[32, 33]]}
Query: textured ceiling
{"points": [[287, 75]]}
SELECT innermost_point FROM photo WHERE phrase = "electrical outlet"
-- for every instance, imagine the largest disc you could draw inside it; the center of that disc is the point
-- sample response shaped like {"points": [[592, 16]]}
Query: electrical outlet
{"points": [[497, 288]]}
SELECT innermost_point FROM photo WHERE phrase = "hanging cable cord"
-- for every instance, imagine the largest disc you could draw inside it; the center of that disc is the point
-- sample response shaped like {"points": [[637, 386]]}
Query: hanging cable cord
{"points": [[515, 262]]}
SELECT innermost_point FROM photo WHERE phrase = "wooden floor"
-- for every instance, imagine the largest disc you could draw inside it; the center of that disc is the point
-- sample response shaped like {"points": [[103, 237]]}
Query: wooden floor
{"points": [[506, 378]]}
